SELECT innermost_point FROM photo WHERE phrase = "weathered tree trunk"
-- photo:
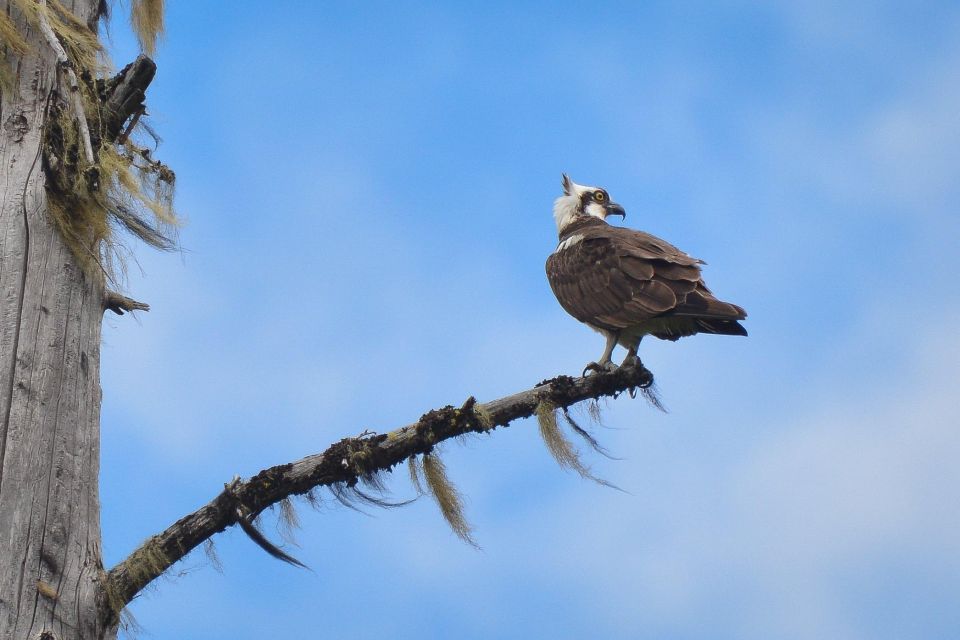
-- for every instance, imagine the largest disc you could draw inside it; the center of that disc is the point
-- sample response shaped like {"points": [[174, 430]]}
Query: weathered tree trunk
{"points": [[50, 315]]}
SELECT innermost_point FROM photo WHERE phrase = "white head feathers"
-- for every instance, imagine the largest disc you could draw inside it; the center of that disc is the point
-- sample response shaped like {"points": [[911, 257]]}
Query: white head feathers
{"points": [[570, 204]]}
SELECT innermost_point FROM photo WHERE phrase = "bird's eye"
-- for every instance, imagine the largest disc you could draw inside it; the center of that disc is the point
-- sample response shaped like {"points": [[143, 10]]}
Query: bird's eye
{"points": [[600, 196]]}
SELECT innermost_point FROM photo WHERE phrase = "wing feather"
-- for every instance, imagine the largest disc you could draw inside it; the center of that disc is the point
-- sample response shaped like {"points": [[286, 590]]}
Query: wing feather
{"points": [[702, 304], [636, 267], [617, 278], [672, 271]]}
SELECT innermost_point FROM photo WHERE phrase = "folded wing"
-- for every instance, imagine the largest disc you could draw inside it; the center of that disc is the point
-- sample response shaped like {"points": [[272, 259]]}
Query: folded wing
{"points": [[617, 279]]}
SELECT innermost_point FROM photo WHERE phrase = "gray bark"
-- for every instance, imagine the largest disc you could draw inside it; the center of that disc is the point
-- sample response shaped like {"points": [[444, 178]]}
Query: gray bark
{"points": [[51, 566], [350, 461]]}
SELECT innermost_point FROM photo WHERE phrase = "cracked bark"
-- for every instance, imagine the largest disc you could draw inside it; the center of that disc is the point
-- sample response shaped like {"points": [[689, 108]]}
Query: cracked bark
{"points": [[50, 318]]}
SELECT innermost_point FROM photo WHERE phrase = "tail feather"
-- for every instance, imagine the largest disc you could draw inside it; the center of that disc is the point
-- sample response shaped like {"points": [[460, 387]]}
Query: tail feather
{"points": [[722, 327], [701, 304]]}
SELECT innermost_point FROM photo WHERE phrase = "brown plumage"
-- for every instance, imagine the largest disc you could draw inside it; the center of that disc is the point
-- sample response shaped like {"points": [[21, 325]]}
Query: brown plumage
{"points": [[627, 284]]}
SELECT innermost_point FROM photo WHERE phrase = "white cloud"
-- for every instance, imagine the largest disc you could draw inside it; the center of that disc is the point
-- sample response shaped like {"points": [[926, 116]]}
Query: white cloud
{"points": [[740, 517], [899, 151], [779, 533]]}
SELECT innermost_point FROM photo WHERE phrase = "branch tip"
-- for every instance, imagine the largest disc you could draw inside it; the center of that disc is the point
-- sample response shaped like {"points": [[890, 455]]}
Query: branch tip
{"points": [[120, 304]]}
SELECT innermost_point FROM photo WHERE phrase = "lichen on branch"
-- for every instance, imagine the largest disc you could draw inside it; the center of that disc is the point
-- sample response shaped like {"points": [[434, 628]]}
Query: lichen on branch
{"points": [[360, 459], [99, 182]]}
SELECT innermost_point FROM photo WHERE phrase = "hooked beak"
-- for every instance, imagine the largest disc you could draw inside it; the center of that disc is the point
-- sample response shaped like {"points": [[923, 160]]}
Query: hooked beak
{"points": [[613, 209]]}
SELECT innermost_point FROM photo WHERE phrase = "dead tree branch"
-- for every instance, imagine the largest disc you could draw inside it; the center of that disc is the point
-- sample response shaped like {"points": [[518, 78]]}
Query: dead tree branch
{"points": [[120, 304], [75, 98], [348, 462], [124, 96]]}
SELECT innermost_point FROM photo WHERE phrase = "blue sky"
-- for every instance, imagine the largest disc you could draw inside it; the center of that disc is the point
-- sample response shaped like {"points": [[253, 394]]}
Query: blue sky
{"points": [[367, 192]]}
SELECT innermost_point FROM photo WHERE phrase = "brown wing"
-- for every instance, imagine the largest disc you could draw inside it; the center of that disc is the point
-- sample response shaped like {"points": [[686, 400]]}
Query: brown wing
{"points": [[598, 285], [615, 278]]}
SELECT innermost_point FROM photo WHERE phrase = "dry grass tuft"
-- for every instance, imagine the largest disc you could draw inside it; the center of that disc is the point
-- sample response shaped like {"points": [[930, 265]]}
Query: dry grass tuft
{"points": [[139, 194], [559, 446], [351, 496], [652, 395], [81, 44], [313, 499], [147, 19], [11, 38], [415, 469], [289, 521], [593, 410], [129, 193], [210, 550], [448, 498], [123, 189], [586, 435]]}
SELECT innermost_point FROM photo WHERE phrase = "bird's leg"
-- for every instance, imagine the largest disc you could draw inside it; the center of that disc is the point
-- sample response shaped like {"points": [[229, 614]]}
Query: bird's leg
{"points": [[632, 358], [630, 361], [605, 364]]}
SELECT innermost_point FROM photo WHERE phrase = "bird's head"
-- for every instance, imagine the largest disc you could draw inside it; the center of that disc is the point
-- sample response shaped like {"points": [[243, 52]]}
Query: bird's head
{"points": [[581, 200]]}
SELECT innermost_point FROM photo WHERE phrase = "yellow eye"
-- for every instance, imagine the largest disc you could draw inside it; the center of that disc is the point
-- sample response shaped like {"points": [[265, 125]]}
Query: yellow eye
{"points": [[600, 196]]}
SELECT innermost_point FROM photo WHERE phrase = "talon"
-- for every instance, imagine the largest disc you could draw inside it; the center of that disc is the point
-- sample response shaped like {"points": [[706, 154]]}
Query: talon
{"points": [[596, 367], [632, 360]]}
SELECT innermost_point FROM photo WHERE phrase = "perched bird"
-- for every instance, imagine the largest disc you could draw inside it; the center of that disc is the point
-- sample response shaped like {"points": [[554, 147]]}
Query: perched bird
{"points": [[626, 284]]}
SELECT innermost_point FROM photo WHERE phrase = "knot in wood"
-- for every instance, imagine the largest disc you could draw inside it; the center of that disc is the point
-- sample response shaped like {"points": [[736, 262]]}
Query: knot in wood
{"points": [[17, 126]]}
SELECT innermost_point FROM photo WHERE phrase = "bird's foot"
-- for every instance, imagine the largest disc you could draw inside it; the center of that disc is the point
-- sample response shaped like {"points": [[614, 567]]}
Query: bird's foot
{"points": [[632, 360], [598, 367]]}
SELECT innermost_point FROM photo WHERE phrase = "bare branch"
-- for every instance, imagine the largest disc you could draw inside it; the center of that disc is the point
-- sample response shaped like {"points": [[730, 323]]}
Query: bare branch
{"points": [[75, 96], [124, 96], [119, 304], [348, 462]]}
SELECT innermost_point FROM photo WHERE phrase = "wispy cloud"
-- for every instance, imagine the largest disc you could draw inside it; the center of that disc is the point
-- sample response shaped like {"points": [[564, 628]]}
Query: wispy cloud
{"points": [[368, 229]]}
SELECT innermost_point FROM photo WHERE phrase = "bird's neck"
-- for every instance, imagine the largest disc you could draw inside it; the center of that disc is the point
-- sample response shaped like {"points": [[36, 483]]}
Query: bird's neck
{"points": [[565, 210], [577, 224]]}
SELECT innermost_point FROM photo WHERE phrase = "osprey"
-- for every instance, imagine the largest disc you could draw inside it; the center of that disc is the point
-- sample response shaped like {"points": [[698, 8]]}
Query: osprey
{"points": [[626, 284]]}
